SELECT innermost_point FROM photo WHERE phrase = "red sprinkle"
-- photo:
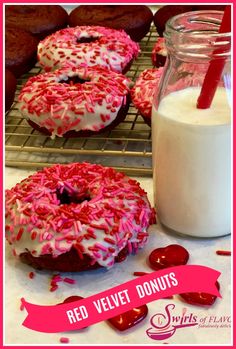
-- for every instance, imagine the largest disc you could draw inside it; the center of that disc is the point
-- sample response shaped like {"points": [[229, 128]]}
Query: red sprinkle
{"points": [[139, 273], [53, 288], [22, 307], [223, 253], [64, 340], [69, 281], [31, 275], [19, 235]]}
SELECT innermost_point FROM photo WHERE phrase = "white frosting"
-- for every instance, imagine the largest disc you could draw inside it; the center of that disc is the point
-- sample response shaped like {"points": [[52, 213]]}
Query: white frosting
{"points": [[114, 49], [111, 193], [61, 107]]}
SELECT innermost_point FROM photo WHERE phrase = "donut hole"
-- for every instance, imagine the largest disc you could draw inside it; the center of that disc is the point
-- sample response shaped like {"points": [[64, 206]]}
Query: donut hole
{"points": [[67, 198], [73, 80], [86, 40]]}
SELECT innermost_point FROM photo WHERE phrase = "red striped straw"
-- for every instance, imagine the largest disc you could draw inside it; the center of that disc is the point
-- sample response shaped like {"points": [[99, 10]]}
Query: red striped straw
{"points": [[216, 67]]}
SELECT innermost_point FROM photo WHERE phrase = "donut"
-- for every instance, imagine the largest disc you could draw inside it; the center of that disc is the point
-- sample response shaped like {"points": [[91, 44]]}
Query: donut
{"points": [[159, 53], [75, 101], [88, 45], [166, 12], [10, 89], [135, 20], [143, 91], [20, 51], [39, 20], [76, 217]]}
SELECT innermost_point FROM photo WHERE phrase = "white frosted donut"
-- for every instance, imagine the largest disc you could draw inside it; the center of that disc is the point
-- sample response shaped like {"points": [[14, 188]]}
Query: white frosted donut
{"points": [[74, 99], [159, 53], [143, 91], [90, 208], [93, 45]]}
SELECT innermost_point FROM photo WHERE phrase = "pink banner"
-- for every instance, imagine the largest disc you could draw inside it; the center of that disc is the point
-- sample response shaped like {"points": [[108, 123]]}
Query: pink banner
{"points": [[119, 299]]}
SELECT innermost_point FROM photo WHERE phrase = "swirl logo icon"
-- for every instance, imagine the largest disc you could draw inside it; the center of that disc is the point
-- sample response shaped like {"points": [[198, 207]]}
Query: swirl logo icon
{"points": [[164, 325]]}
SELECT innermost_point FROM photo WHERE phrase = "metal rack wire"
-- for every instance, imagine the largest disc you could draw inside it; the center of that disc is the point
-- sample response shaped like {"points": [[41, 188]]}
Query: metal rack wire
{"points": [[127, 147]]}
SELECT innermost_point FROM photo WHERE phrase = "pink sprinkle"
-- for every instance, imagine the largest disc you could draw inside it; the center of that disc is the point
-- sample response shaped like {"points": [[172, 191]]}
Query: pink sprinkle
{"points": [[101, 247], [97, 255], [57, 278], [64, 340], [69, 281]]}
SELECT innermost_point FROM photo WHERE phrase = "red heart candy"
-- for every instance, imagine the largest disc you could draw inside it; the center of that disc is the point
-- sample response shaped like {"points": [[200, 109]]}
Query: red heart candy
{"points": [[169, 256], [200, 298], [72, 299], [130, 318]]}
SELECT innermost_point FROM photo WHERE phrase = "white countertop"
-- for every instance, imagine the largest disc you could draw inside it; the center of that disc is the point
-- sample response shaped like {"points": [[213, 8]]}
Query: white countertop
{"points": [[202, 251]]}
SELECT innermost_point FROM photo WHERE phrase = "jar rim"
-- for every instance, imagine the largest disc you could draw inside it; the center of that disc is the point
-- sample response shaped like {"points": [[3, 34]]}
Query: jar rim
{"points": [[194, 16]]}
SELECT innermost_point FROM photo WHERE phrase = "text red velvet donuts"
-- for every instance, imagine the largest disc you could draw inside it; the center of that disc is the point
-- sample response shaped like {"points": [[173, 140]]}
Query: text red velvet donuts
{"points": [[89, 46], [85, 99], [143, 91], [76, 217]]}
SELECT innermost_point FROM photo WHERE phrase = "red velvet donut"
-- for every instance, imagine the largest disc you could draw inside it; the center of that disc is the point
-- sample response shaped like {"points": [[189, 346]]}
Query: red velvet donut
{"points": [[39, 20], [76, 217], [159, 53], [110, 48], [80, 100], [143, 91], [166, 12]]}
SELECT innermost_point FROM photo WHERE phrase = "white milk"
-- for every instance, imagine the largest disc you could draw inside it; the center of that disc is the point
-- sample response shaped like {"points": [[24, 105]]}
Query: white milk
{"points": [[192, 163]]}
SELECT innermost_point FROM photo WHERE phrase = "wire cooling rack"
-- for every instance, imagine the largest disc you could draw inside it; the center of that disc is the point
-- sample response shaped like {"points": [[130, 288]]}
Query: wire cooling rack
{"points": [[126, 148]]}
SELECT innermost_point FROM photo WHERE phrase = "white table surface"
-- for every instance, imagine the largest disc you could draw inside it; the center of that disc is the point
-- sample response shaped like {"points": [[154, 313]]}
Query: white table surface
{"points": [[202, 251]]}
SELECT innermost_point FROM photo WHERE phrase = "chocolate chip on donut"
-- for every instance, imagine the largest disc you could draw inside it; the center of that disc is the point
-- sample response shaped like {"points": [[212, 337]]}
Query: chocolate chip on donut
{"points": [[76, 217]]}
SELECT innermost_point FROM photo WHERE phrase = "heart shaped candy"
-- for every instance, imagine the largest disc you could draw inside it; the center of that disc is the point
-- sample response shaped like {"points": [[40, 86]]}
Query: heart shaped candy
{"points": [[169, 256], [200, 298], [72, 299], [129, 319]]}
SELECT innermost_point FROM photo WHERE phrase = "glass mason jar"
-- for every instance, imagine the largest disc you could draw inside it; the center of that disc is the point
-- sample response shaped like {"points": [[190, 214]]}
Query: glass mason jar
{"points": [[192, 147]]}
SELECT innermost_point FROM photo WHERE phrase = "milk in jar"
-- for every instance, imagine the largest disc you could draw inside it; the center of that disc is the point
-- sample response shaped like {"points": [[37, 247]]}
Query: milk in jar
{"points": [[192, 163]]}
